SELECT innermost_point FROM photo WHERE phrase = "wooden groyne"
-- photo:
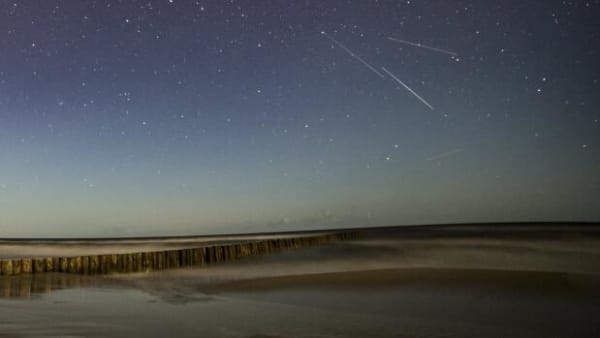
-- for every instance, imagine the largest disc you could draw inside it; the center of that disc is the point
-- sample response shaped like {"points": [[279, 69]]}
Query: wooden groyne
{"points": [[164, 259]]}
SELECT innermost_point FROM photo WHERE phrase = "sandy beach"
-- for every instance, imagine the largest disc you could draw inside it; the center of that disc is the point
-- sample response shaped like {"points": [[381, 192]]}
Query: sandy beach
{"points": [[427, 282]]}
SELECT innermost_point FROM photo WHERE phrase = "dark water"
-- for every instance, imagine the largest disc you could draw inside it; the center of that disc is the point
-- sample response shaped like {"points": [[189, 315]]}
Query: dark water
{"points": [[387, 285]]}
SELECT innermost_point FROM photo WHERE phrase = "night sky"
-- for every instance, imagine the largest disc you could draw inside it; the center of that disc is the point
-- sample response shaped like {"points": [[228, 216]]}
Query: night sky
{"points": [[195, 117]]}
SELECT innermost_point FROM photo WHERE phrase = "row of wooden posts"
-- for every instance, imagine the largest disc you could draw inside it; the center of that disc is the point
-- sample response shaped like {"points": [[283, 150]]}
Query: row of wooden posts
{"points": [[159, 260]]}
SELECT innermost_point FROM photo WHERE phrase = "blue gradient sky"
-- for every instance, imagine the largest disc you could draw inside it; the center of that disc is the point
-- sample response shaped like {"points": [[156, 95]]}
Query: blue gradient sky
{"points": [[184, 117]]}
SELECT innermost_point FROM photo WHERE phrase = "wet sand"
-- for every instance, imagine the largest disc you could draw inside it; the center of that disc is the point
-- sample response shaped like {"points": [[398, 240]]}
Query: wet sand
{"points": [[444, 282], [532, 282]]}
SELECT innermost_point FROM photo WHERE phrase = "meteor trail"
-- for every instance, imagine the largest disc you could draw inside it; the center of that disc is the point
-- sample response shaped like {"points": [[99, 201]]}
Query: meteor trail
{"points": [[407, 88], [339, 44], [416, 44]]}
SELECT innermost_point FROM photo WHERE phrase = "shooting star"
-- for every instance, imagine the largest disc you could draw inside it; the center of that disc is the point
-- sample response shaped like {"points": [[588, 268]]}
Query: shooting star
{"points": [[445, 154], [407, 88], [352, 54], [420, 45]]}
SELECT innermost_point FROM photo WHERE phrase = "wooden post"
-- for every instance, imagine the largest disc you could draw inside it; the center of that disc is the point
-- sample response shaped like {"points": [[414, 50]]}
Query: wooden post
{"points": [[16, 267], [6, 267], [56, 264], [147, 261], [219, 253], [39, 265], [64, 264], [85, 265], [48, 264], [161, 260], [113, 263], [173, 259], [26, 265], [103, 264], [74, 264], [128, 262], [94, 264], [138, 259], [200, 254]]}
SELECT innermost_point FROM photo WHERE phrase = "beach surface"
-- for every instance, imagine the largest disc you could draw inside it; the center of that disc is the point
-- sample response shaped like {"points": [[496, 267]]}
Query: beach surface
{"points": [[458, 281]]}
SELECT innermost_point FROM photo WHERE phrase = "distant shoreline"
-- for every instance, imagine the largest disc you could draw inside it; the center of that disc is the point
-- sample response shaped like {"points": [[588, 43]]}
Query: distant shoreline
{"points": [[439, 226]]}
